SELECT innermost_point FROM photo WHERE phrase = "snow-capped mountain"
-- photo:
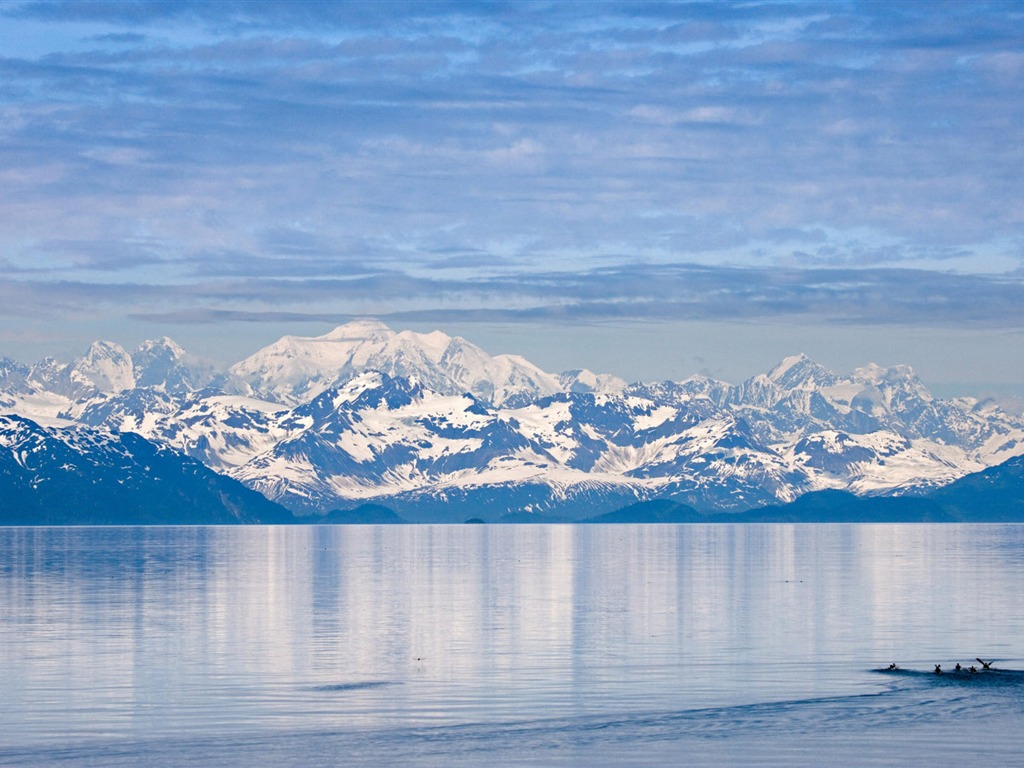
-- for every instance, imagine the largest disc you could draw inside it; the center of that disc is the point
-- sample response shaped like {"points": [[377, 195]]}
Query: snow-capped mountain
{"points": [[381, 437], [296, 369], [106, 367], [879, 461], [165, 365], [799, 392], [41, 390], [435, 427], [50, 389]]}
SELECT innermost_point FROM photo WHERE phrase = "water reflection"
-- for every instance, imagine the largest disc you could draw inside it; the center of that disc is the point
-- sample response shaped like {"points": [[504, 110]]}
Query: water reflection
{"points": [[122, 632]]}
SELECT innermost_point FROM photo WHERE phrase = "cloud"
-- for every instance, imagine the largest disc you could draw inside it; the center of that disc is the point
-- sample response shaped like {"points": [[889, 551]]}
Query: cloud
{"points": [[641, 292], [127, 38], [818, 161]]}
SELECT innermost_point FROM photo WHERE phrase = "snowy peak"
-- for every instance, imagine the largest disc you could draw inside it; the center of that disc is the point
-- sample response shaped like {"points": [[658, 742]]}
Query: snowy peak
{"points": [[872, 373], [13, 375], [164, 364], [372, 390], [297, 369], [787, 364], [759, 391], [105, 367], [585, 381], [896, 375], [49, 375], [893, 389], [800, 372], [162, 352], [165, 344], [359, 330]]}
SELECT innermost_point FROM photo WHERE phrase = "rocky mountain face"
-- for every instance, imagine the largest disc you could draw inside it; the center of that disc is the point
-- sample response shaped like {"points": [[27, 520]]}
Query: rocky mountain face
{"points": [[436, 429]]}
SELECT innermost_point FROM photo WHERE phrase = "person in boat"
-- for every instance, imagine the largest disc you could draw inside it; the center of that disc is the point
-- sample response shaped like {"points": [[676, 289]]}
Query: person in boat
{"points": [[893, 666], [973, 670], [958, 667], [984, 664], [938, 669]]}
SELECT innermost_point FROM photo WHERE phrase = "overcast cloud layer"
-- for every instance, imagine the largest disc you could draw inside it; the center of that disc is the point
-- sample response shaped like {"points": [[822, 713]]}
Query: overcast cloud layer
{"points": [[195, 167]]}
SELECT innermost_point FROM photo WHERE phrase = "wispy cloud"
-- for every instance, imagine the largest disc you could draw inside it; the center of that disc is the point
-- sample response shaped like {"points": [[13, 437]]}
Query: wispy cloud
{"points": [[826, 160], [838, 296]]}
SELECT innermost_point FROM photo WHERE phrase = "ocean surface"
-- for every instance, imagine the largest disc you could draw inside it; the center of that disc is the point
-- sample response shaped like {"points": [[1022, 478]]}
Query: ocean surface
{"points": [[694, 645]]}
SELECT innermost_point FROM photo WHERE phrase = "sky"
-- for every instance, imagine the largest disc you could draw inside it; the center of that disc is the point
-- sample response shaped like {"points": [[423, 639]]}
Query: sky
{"points": [[646, 189]]}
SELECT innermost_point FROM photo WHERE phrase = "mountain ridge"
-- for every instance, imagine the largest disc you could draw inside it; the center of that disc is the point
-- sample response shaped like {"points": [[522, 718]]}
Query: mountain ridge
{"points": [[994, 495], [83, 476], [434, 427]]}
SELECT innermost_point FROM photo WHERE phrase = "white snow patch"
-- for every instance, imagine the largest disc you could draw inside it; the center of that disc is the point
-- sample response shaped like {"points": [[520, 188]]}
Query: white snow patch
{"points": [[655, 418]]}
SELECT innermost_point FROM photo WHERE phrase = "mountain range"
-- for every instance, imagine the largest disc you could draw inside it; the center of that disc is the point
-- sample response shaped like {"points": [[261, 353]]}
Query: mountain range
{"points": [[434, 428]]}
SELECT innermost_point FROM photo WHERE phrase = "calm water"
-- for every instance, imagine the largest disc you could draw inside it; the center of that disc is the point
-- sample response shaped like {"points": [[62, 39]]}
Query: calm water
{"points": [[510, 645]]}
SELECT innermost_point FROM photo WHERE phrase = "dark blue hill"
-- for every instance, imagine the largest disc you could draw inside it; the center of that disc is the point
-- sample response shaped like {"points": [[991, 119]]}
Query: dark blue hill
{"points": [[82, 476], [365, 514], [995, 495], [654, 511], [816, 507], [844, 507]]}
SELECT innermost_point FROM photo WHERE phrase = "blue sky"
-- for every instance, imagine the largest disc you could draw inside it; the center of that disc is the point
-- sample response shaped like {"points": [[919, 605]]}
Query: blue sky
{"points": [[649, 189]]}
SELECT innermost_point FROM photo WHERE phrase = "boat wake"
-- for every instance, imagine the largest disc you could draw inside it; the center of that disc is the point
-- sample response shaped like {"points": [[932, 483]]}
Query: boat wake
{"points": [[972, 676], [916, 708], [345, 687]]}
